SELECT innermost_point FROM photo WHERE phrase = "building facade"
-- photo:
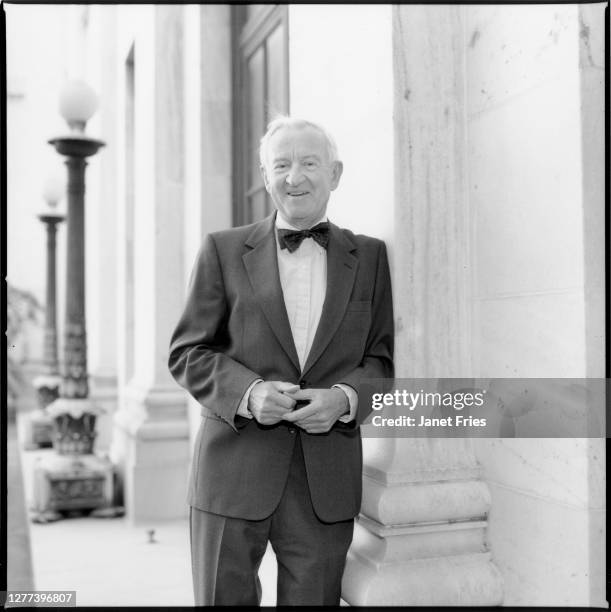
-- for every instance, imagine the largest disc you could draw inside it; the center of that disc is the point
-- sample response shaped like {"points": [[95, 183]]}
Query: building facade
{"points": [[473, 144]]}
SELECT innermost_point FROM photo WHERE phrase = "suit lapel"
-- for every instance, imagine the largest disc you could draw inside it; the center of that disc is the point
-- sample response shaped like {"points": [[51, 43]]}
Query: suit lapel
{"points": [[261, 262], [341, 273]]}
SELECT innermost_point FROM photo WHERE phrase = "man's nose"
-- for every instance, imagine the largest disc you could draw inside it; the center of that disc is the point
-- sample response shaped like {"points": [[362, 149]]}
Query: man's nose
{"points": [[295, 175]]}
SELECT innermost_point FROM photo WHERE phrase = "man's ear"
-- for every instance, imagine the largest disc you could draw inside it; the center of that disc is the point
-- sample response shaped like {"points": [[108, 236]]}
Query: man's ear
{"points": [[265, 179], [336, 172]]}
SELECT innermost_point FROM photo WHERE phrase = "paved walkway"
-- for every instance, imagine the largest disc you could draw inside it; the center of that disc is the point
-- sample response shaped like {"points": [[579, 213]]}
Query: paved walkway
{"points": [[19, 570], [109, 562]]}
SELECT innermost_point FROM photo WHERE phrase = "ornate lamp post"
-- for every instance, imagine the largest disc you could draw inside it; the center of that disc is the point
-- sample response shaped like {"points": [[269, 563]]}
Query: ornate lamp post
{"points": [[47, 384], [73, 478], [77, 104]]}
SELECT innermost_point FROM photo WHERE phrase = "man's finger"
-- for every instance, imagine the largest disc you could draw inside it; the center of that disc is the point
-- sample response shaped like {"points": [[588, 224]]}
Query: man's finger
{"points": [[302, 413], [285, 387], [300, 393], [283, 401]]}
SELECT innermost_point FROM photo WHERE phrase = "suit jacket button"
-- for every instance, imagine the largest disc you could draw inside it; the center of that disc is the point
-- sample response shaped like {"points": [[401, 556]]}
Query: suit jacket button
{"points": [[302, 383], [292, 430]]}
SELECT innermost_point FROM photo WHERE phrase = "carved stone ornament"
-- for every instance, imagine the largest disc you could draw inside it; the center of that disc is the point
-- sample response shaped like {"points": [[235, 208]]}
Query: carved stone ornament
{"points": [[74, 425]]}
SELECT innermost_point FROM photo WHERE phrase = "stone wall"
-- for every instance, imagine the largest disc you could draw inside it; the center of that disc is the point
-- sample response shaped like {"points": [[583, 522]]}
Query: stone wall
{"points": [[534, 169]]}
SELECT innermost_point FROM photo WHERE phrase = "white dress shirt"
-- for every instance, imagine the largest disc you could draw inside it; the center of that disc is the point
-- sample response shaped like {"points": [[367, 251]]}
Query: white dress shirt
{"points": [[303, 277]]}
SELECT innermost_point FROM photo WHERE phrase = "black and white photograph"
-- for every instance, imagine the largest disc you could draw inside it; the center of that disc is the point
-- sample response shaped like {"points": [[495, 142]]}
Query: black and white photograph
{"points": [[306, 305]]}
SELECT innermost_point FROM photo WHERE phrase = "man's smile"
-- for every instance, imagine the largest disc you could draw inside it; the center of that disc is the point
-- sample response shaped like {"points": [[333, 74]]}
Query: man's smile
{"points": [[299, 174]]}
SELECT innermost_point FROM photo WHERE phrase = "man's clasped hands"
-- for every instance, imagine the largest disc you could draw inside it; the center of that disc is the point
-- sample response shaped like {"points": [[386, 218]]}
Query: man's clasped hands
{"points": [[273, 401]]}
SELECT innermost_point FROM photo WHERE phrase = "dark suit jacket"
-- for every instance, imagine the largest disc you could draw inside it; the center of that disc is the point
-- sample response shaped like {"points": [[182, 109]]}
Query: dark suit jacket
{"points": [[235, 329]]}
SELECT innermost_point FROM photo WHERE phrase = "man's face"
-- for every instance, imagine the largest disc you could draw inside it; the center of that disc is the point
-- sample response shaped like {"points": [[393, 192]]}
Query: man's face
{"points": [[299, 175]]}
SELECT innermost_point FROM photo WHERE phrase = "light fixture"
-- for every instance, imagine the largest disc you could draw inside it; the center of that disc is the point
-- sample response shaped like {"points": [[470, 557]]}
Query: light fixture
{"points": [[53, 191], [77, 104]]}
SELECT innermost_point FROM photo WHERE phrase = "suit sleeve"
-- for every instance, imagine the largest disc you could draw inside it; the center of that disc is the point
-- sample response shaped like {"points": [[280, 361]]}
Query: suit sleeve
{"points": [[378, 358], [197, 349]]}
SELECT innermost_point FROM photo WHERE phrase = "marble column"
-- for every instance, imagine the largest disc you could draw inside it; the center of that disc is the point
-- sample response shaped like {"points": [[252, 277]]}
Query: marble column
{"points": [[208, 132], [421, 535], [150, 443], [592, 94], [99, 46]]}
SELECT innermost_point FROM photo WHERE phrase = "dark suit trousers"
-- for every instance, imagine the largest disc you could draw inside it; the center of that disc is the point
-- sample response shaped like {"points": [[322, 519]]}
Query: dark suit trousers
{"points": [[226, 552]]}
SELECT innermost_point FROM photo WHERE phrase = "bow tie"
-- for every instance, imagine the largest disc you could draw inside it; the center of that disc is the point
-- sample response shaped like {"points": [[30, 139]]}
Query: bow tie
{"points": [[291, 239]]}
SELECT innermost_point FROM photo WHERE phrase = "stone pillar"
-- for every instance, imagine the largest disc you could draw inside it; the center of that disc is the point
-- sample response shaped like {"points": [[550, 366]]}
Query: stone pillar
{"points": [[98, 36], [592, 90], [208, 133], [151, 435], [421, 536], [592, 94]]}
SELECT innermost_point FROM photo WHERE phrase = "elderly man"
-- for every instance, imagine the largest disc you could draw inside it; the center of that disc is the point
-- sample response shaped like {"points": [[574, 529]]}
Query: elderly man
{"points": [[282, 321]]}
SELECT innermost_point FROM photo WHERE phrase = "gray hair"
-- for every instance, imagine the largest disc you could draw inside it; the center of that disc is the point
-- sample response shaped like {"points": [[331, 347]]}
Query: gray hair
{"points": [[282, 121]]}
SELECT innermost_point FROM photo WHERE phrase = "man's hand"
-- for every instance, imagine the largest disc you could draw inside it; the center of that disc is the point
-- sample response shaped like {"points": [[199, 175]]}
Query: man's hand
{"points": [[268, 403], [325, 407]]}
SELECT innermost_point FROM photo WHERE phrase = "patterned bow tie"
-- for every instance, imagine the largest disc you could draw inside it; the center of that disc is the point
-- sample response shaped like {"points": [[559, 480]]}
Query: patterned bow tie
{"points": [[291, 239]]}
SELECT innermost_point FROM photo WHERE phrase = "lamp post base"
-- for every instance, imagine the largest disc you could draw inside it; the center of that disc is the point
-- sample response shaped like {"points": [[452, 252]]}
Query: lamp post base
{"points": [[72, 478], [64, 483]]}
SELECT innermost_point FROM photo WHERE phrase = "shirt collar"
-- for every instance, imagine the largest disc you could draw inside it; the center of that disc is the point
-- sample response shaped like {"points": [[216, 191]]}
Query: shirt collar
{"points": [[281, 223]]}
